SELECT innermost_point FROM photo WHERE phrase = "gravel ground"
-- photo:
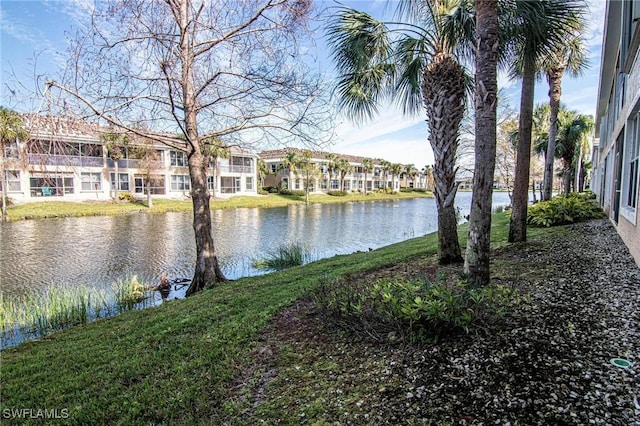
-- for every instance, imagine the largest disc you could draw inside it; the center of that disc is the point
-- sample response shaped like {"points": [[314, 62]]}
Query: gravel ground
{"points": [[550, 364]]}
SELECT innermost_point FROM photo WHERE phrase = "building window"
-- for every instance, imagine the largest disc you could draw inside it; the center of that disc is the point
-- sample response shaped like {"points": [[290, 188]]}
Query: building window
{"points": [[123, 181], [249, 183], [156, 184], [211, 183], [13, 181], [51, 185], [11, 150], [335, 184], [297, 184], [230, 185], [178, 159], [631, 173], [274, 167], [90, 182], [180, 183], [323, 184]]}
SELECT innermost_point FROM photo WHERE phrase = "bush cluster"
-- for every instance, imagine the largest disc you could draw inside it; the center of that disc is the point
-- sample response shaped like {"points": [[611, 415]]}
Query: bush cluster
{"points": [[419, 190], [561, 211], [406, 189], [126, 196], [337, 193], [295, 192], [413, 310]]}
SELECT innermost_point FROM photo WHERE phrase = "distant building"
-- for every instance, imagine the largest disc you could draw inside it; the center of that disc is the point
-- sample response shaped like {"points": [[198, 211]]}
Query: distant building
{"points": [[328, 179], [65, 159], [616, 151]]}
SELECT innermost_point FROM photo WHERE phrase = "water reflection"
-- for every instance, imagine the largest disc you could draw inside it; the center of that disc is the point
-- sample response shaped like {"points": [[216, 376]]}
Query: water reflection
{"points": [[96, 251]]}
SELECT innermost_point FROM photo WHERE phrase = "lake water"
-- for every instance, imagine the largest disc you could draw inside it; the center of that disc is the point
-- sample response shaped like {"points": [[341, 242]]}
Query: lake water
{"points": [[97, 251]]}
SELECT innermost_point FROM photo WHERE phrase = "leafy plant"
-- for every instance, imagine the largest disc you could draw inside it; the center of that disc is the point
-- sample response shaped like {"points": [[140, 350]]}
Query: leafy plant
{"points": [[415, 310], [337, 193], [126, 196], [560, 211]]}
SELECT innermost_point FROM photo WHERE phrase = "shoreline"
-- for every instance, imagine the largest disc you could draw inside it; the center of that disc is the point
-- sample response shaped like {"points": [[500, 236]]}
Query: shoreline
{"points": [[61, 209]]}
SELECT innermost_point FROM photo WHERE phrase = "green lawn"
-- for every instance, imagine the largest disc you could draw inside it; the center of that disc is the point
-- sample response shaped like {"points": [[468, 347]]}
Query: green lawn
{"points": [[39, 210], [175, 364]]}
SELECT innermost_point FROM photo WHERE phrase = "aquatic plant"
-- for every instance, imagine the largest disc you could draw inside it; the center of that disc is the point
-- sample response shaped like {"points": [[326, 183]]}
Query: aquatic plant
{"points": [[285, 256]]}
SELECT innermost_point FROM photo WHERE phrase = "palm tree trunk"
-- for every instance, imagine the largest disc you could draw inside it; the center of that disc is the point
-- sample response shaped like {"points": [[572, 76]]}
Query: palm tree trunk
{"points": [[443, 95], [555, 92], [477, 259], [518, 225]]}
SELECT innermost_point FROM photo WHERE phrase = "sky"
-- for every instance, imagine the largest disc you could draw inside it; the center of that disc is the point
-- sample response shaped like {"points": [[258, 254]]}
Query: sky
{"points": [[34, 35]]}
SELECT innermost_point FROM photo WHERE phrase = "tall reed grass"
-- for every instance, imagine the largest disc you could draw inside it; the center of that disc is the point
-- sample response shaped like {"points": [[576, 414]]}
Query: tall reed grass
{"points": [[285, 256], [62, 307]]}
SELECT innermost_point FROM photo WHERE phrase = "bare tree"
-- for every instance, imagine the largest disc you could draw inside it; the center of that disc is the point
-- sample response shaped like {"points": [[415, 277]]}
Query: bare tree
{"points": [[196, 71]]}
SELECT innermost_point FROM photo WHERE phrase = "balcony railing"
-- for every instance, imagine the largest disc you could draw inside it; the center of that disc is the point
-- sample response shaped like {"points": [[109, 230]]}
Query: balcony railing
{"points": [[236, 169], [64, 160]]}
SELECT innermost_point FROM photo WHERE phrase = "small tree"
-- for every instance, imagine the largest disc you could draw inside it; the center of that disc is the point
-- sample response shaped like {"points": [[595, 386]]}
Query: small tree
{"points": [[11, 128], [263, 170], [116, 144], [148, 160], [367, 167], [309, 172], [215, 149]]}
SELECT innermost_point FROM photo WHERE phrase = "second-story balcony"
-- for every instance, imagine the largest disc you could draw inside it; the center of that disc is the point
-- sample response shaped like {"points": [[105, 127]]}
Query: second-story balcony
{"points": [[126, 163], [64, 160], [226, 168]]}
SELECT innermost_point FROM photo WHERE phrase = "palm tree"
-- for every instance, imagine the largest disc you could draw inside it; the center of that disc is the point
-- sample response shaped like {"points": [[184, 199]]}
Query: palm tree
{"points": [[290, 162], [536, 28], [343, 167], [396, 170], [331, 157], [263, 170], [573, 131], [477, 259], [215, 149], [428, 175], [367, 167], [386, 166], [572, 57], [11, 128], [416, 69]]}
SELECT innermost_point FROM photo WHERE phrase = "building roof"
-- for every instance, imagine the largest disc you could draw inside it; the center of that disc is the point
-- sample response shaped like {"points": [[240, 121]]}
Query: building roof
{"points": [[278, 154]]}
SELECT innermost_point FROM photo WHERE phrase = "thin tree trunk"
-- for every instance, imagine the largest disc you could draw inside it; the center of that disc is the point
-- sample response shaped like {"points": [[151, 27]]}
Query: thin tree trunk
{"points": [[554, 78], [477, 257], [518, 225], [116, 184], [568, 178], [207, 269], [533, 190]]}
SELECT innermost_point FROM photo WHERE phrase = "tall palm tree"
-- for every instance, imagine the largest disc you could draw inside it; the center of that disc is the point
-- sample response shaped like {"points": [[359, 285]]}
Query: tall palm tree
{"points": [[367, 167], [418, 69], [573, 131], [536, 28], [477, 260], [263, 170], [290, 163], [396, 170], [11, 128], [331, 157], [427, 171], [343, 167], [571, 57], [215, 149]]}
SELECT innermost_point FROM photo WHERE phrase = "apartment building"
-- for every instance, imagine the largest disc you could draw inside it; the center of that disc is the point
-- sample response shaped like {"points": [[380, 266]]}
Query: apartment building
{"points": [[66, 159], [328, 178], [616, 151]]}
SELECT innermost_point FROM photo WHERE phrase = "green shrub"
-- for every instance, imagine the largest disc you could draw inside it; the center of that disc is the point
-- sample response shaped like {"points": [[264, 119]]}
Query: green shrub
{"points": [[419, 190], [406, 189], [562, 211], [413, 310], [285, 256], [126, 196], [337, 193]]}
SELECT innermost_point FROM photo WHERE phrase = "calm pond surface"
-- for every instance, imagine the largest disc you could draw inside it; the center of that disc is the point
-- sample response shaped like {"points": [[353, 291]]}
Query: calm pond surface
{"points": [[97, 251]]}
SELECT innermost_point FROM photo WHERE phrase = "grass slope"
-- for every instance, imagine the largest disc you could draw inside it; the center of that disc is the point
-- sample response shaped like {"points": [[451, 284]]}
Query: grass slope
{"points": [[174, 364]]}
